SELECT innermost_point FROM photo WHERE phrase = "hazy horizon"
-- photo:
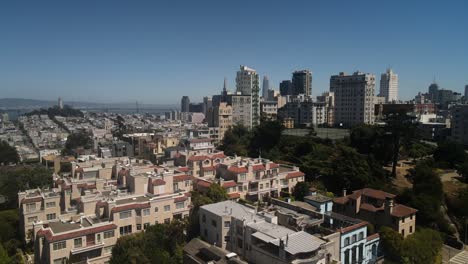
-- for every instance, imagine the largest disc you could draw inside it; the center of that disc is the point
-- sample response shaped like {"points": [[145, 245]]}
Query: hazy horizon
{"points": [[153, 53]]}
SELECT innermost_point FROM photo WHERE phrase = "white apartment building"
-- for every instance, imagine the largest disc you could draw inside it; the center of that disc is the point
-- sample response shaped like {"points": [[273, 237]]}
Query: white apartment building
{"points": [[389, 86], [241, 110], [354, 98], [247, 83]]}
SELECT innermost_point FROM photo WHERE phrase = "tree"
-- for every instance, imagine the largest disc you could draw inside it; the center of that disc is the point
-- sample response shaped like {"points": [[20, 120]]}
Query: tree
{"points": [[349, 170], [301, 190], [265, 137], [4, 258], [216, 193], [8, 154], [160, 243], [391, 243], [401, 129], [463, 170], [236, 141], [450, 153], [75, 140]]}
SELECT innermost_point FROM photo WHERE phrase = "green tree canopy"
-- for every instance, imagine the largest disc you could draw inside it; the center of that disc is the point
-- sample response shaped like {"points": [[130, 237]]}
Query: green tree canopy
{"points": [[75, 140], [301, 190], [8, 154], [450, 153]]}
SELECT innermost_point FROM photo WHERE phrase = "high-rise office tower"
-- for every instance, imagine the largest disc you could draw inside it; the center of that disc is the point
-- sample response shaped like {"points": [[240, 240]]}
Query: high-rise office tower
{"points": [[389, 86], [265, 87], [286, 88], [434, 92], [302, 82], [466, 93], [247, 83], [185, 104], [354, 98], [60, 103]]}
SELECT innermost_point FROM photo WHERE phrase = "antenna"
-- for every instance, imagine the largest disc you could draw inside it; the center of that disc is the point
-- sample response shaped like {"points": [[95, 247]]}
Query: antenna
{"points": [[137, 108]]}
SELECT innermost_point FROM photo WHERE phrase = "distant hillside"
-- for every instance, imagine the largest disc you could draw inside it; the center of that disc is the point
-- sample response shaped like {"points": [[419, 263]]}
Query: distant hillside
{"points": [[20, 103]]}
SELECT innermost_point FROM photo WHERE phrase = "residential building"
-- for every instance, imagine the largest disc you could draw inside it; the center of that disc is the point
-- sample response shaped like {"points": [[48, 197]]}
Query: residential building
{"points": [[185, 104], [354, 98], [247, 84], [80, 217], [257, 237], [269, 109], [378, 208], [286, 88], [242, 112], [305, 112], [459, 124], [302, 82], [221, 117], [329, 99], [389, 86]]}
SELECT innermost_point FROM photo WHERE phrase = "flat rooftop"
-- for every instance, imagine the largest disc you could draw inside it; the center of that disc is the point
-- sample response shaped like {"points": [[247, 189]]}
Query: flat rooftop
{"points": [[138, 199], [59, 227]]}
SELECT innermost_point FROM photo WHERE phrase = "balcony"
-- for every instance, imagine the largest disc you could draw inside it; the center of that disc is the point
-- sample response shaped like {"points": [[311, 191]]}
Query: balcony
{"points": [[89, 246]]}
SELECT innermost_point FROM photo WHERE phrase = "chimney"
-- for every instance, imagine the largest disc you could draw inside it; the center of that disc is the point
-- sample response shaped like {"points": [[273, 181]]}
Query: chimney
{"points": [[388, 205], [344, 192]]}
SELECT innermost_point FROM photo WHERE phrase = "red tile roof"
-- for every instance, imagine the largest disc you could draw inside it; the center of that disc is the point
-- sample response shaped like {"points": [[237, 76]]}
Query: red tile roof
{"points": [[237, 170], [209, 168], [372, 237], [400, 210], [180, 199], [234, 195], [181, 178], [130, 207], [198, 158], [274, 165], [183, 169], [218, 156], [32, 200], [295, 174], [353, 227], [159, 182], [53, 238], [203, 184], [258, 167], [369, 207], [229, 184]]}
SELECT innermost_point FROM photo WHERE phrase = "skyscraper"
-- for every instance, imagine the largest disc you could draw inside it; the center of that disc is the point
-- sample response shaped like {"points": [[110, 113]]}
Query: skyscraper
{"points": [[302, 82], [286, 88], [265, 87], [185, 104], [434, 92], [466, 93], [389, 86], [60, 103], [247, 83], [354, 98]]}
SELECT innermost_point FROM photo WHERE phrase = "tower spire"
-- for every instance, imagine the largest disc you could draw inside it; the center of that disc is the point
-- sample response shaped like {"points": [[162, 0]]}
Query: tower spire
{"points": [[225, 85]]}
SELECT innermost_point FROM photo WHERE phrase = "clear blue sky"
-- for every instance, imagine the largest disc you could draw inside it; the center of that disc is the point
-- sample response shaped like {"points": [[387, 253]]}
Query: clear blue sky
{"points": [[157, 51]]}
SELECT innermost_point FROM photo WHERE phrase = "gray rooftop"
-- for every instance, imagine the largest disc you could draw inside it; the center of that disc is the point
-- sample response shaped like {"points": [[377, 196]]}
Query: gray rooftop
{"points": [[230, 208], [59, 227], [318, 198]]}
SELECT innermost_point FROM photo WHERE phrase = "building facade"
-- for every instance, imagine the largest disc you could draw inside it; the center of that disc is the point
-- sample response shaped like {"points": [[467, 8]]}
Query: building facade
{"points": [[185, 104], [247, 84], [459, 123], [302, 82], [354, 98], [286, 88], [220, 117], [389, 86]]}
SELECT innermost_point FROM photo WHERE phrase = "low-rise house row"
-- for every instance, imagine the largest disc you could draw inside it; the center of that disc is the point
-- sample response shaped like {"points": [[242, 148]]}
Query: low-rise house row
{"points": [[80, 219]]}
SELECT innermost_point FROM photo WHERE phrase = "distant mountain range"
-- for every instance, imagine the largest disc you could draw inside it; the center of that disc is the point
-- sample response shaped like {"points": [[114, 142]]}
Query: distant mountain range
{"points": [[20, 103]]}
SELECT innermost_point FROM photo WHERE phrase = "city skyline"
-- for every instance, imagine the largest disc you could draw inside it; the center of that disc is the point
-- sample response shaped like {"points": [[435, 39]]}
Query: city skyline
{"points": [[125, 52]]}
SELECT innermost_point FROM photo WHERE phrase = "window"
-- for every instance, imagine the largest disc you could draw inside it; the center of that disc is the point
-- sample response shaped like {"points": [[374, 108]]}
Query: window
{"points": [[138, 226], [411, 229], [108, 234], [261, 186], [403, 232], [156, 209], [50, 204], [146, 212], [125, 214], [146, 225], [213, 223], [354, 238], [361, 235], [346, 241], [403, 220], [30, 207], [51, 216], [167, 220], [98, 238], [124, 230], [108, 250], [180, 205], [32, 219], [242, 177], [227, 224], [78, 242], [167, 208], [204, 218], [60, 245], [187, 183]]}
